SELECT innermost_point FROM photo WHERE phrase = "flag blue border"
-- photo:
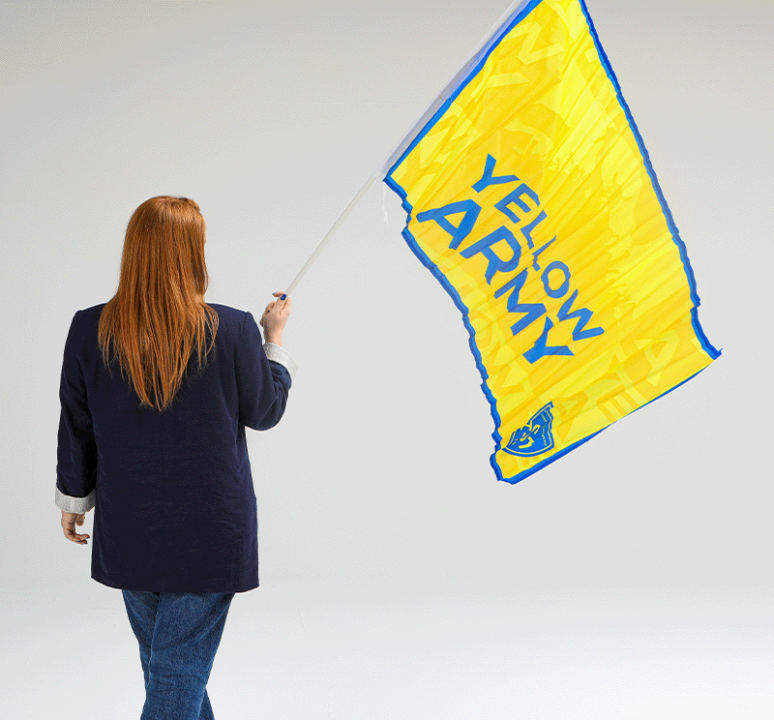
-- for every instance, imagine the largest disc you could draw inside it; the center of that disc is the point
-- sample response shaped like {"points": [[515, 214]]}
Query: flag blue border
{"points": [[507, 26], [713, 352]]}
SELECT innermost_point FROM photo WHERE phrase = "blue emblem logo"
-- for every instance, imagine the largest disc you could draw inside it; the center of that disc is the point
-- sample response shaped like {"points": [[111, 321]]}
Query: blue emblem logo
{"points": [[535, 437]]}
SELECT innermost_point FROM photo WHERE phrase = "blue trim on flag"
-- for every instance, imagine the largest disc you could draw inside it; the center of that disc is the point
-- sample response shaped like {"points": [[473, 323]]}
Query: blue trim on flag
{"points": [[526, 473], [709, 348], [433, 268], [531, 471], [451, 290], [705, 343]]}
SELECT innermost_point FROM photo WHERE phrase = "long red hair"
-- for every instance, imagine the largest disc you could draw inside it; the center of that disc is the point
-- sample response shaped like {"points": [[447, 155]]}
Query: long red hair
{"points": [[158, 312]]}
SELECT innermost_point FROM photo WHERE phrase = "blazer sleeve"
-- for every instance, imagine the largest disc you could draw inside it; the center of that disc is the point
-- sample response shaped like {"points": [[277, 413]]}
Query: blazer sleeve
{"points": [[262, 383], [76, 469]]}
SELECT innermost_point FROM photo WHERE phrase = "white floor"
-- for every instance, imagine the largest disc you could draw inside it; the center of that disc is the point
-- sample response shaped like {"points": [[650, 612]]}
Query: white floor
{"points": [[411, 650]]}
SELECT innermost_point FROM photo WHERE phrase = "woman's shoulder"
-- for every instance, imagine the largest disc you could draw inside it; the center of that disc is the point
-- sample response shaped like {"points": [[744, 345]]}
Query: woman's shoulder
{"points": [[235, 323], [87, 318], [93, 311], [228, 312], [84, 328], [231, 316]]}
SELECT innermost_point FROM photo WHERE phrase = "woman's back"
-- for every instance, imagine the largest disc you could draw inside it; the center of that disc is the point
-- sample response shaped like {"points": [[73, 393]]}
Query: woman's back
{"points": [[157, 388], [173, 491]]}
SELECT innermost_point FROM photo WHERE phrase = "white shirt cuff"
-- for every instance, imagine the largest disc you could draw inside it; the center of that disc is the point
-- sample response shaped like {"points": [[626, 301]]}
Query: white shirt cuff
{"points": [[278, 354], [75, 504]]}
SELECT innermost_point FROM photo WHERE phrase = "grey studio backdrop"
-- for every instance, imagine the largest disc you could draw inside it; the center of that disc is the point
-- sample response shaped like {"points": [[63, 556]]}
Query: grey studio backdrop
{"points": [[271, 116]]}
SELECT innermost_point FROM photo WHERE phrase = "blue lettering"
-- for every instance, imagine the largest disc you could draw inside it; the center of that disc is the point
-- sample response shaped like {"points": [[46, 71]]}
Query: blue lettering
{"points": [[526, 231], [561, 291], [541, 348], [496, 263], [539, 251], [470, 212], [489, 179], [583, 315], [461, 231], [532, 310], [515, 197]]}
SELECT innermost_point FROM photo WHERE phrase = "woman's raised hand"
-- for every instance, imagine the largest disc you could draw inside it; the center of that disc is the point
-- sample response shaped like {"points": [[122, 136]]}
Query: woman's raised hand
{"points": [[274, 318]]}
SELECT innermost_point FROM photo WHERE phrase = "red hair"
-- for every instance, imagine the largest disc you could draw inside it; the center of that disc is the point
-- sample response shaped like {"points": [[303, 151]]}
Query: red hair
{"points": [[158, 312]]}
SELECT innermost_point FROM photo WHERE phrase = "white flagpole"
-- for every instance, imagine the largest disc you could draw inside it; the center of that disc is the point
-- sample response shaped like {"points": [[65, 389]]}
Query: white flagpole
{"points": [[330, 234]]}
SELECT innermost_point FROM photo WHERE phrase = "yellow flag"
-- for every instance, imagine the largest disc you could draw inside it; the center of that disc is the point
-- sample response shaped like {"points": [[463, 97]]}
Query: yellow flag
{"points": [[531, 198]]}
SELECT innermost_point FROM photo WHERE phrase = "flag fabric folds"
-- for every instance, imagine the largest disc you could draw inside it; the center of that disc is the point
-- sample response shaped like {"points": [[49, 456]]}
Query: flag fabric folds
{"points": [[531, 198]]}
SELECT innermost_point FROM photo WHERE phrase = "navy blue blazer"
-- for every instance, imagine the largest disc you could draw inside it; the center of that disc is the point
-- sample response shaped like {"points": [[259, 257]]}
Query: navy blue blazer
{"points": [[172, 491]]}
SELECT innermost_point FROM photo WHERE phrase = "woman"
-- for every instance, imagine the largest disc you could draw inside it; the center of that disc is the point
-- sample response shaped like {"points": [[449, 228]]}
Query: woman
{"points": [[156, 391]]}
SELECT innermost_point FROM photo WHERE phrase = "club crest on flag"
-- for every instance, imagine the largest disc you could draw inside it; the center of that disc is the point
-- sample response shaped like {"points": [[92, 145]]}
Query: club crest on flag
{"points": [[535, 437]]}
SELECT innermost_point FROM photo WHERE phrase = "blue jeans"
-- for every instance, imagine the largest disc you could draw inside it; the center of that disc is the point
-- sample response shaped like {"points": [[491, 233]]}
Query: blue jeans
{"points": [[179, 634]]}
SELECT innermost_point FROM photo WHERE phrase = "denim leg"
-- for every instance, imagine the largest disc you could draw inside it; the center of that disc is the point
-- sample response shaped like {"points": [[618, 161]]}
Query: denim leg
{"points": [[141, 607], [206, 712], [184, 637]]}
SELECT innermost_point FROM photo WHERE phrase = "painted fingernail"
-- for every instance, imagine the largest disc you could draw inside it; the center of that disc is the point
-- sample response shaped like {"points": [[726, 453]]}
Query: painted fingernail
{"points": [[283, 297]]}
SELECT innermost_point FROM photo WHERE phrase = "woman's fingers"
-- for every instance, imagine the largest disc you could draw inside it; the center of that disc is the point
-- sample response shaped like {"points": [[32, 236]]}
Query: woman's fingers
{"points": [[69, 521], [266, 312], [283, 302], [276, 314]]}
